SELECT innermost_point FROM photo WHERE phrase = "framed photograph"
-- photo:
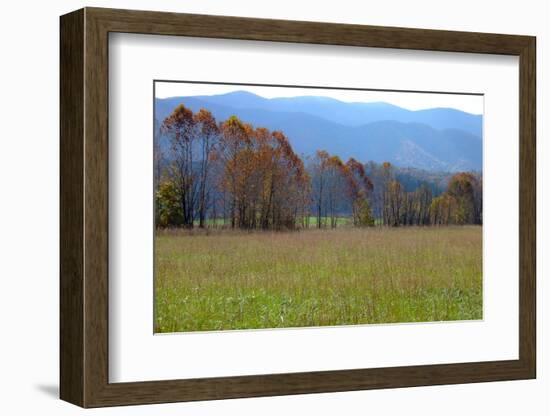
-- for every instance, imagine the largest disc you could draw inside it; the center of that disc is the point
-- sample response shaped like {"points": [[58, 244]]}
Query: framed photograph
{"points": [[256, 207]]}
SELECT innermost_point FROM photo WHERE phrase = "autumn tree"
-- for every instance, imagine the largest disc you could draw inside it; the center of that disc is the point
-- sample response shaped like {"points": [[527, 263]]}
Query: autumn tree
{"points": [[387, 179], [207, 136], [441, 209], [359, 188], [158, 165], [168, 204], [264, 180], [290, 187], [180, 127], [336, 179], [461, 203], [395, 202], [416, 206], [340, 189], [319, 171], [462, 187], [333, 184], [234, 142], [423, 199]]}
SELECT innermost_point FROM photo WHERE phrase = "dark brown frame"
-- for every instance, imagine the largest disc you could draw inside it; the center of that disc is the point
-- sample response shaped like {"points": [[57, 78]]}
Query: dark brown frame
{"points": [[84, 210]]}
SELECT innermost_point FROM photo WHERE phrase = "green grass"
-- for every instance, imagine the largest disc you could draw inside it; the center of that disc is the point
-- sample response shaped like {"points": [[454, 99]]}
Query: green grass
{"points": [[219, 222], [326, 221], [220, 280]]}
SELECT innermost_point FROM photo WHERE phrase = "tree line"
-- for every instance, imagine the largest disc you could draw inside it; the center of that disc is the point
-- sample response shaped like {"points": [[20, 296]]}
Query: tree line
{"points": [[232, 174]]}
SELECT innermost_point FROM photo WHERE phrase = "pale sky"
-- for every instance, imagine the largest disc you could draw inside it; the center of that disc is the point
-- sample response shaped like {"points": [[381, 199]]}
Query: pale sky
{"points": [[409, 100]]}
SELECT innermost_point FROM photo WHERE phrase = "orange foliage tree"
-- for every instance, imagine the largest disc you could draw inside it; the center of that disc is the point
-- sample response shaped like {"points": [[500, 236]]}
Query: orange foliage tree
{"points": [[264, 181], [180, 127]]}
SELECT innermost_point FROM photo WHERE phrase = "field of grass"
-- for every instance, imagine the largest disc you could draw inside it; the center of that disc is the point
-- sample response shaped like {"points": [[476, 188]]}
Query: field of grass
{"points": [[220, 280], [220, 222]]}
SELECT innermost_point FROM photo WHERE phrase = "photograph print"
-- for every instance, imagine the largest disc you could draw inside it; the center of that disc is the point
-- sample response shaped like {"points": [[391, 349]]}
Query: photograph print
{"points": [[284, 206]]}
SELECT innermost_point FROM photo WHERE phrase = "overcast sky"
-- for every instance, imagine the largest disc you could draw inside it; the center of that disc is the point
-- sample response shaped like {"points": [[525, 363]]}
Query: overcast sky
{"points": [[409, 100]]}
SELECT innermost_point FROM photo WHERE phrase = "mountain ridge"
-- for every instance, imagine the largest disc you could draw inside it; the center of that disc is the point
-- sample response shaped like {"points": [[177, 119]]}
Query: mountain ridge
{"points": [[413, 143]]}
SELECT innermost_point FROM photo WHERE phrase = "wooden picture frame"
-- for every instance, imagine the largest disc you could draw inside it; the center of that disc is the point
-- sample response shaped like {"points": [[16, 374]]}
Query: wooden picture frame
{"points": [[84, 207]]}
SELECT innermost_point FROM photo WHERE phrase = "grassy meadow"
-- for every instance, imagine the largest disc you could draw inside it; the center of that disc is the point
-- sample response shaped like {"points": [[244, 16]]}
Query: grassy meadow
{"points": [[223, 279]]}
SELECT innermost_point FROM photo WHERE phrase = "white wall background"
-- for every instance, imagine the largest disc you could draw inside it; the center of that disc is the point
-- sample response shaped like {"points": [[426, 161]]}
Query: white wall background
{"points": [[29, 159]]}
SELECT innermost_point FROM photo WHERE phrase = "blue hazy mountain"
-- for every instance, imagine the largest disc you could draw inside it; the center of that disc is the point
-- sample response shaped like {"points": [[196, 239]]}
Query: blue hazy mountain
{"points": [[351, 114], [433, 139]]}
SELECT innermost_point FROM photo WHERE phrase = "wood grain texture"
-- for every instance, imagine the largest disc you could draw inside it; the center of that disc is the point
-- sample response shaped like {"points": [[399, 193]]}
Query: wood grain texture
{"points": [[96, 208], [527, 208], [162, 23], [71, 208], [84, 204]]}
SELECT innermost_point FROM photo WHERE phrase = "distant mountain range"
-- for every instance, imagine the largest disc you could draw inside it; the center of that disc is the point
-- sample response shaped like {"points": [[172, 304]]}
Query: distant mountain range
{"points": [[437, 139]]}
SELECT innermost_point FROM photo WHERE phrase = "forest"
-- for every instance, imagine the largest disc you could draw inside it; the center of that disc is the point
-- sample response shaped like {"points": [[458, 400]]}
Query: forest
{"points": [[231, 174]]}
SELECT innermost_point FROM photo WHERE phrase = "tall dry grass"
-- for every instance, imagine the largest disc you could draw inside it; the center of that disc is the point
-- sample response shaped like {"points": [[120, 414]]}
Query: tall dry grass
{"points": [[223, 280]]}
